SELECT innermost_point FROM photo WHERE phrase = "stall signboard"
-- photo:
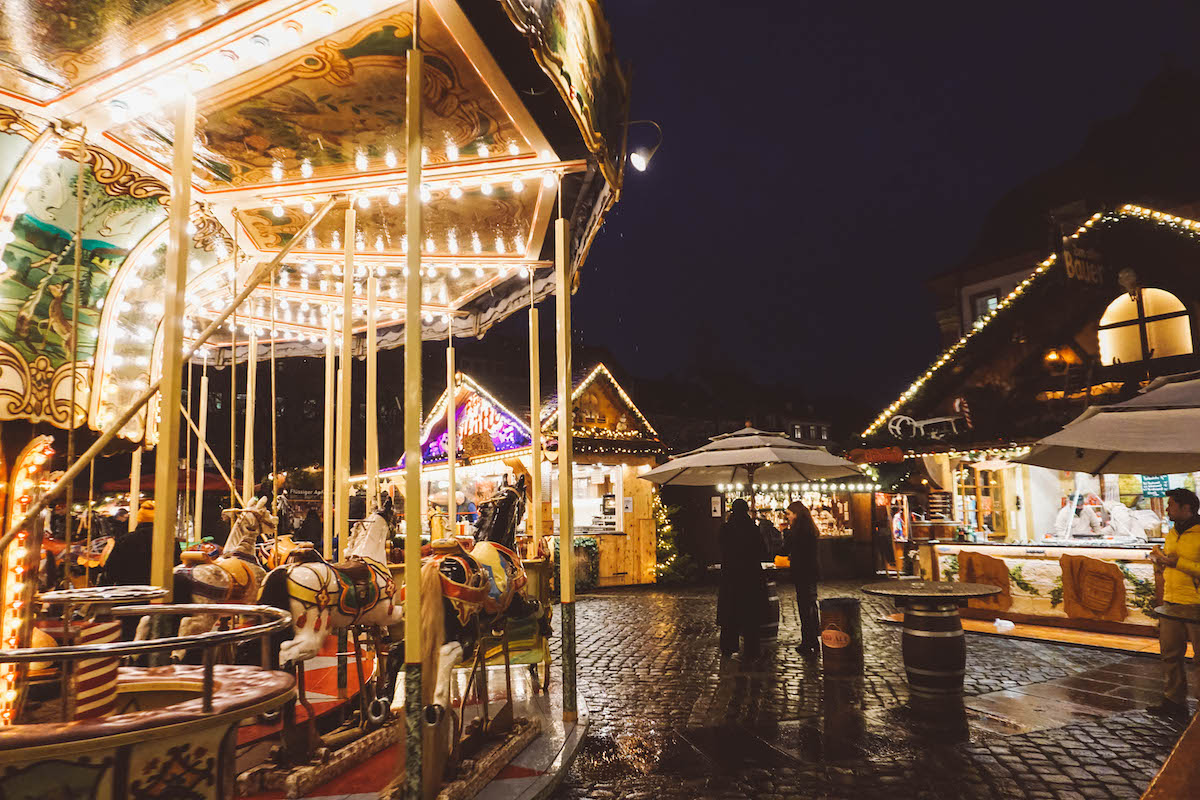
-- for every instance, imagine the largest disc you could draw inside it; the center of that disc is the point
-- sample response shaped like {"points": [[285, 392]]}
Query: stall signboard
{"points": [[1155, 485]]}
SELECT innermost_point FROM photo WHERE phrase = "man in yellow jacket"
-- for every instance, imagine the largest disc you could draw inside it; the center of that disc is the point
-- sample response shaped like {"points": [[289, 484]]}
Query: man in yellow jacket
{"points": [[1180, 562]]}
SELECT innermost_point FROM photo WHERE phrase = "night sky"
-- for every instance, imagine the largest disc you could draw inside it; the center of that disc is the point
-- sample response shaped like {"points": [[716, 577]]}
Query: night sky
{"points": [[822, 160]]}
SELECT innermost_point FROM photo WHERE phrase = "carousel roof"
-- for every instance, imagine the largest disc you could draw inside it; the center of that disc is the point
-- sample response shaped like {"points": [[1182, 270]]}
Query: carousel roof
{"points": [[299, 103]]}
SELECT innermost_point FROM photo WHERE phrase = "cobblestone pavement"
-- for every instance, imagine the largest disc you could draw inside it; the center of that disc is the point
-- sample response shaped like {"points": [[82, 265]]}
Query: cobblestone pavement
{"points": [[671, 719]]}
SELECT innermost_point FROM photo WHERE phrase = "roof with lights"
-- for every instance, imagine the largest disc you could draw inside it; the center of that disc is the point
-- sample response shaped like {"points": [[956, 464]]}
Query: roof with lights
{"points": [[1030, 365], [484, 426], [606, 420], [299, 102]]}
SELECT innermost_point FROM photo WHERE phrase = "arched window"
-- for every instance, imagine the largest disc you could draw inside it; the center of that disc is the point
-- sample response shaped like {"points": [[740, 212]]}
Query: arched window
{"points": [[1150, 323]]}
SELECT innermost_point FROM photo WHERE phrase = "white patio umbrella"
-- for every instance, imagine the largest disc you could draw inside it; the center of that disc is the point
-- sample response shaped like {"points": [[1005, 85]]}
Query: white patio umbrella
{"points": [[749, 454], [1155, 433]]}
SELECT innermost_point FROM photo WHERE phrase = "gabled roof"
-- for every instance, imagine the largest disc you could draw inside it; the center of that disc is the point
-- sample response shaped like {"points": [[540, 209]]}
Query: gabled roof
{"points": [[549, 421], [472, 399], [949, 357]]}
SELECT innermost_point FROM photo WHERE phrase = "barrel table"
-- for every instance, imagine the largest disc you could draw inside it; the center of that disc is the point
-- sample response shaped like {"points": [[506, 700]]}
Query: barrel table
{"points": [[935, 654]]}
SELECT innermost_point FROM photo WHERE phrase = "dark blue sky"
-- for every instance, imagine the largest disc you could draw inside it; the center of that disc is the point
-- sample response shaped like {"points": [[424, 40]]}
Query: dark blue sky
{"points": [[822, 160]]}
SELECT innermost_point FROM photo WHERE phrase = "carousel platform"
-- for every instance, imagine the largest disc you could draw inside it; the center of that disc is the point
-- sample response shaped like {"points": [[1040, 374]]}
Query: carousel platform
{"points": [[532, 775]]}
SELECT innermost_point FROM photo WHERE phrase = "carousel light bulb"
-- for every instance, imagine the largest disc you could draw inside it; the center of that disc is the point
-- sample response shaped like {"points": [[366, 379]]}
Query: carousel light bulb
{"points": [[380, 272], [455, 272], [426, 193], [277, 170], [451, 151], [306, 168], [404, 243], [379, 243], [482, 149], [429, 245], [6, 237], [307, 206], [395, 314], [513, 149], [499, 245], [364, 202], [335, 241], [389, 158], [518, 185], [476, 245], [486, 187], [548, 179], [456, 191], [360, 161], [304, 283], [277, 209], [479, 270], [424, 155], [394, 198]]}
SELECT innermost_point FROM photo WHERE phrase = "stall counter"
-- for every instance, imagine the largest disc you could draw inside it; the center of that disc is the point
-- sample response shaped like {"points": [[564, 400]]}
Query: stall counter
{"points": [[1102, 587]]}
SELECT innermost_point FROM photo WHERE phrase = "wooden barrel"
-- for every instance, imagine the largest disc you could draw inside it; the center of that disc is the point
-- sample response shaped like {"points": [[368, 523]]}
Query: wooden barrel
{"points": [[769, 631], [935, 653], [841, 635]]}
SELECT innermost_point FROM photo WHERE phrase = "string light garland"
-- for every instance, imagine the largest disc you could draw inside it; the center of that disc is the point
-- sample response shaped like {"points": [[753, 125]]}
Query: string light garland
{"points": [[1192, 227], [550, 412]]}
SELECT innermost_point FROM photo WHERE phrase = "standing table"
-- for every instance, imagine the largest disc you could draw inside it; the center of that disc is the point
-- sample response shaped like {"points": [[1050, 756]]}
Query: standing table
{"points": [[935, 654]]}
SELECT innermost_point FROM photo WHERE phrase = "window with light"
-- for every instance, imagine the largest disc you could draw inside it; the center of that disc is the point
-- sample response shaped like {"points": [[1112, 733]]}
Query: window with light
{"points": [[1149, 323]]}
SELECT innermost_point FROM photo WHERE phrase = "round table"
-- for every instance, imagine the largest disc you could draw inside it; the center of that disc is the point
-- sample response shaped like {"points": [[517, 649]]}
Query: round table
{"points": [[935, 654]]}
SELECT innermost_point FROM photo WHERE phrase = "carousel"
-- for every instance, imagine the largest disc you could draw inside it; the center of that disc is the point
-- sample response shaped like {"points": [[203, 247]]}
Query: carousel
{"points": [[199, 185]]}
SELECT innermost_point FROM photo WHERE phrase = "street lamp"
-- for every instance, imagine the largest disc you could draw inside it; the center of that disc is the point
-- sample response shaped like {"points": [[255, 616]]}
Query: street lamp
{"points": [[640, 158]]}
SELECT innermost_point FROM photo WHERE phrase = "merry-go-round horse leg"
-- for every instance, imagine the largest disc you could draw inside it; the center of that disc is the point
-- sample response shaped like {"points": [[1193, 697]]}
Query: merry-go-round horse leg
{"points": [[446, 722]]}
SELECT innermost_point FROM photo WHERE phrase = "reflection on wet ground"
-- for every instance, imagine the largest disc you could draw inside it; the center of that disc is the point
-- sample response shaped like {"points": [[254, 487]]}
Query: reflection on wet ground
{"points": [[671, 719]]}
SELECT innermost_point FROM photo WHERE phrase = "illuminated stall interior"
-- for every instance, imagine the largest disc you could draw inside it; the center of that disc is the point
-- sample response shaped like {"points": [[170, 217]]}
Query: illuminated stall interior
{"points": [[614, 443]]}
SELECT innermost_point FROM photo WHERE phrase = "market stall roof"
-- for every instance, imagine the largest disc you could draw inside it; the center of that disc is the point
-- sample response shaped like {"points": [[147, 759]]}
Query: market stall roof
{"points": [[606, 420], [935, 411], [299, 102], [751, 455], [1155, 433], [484, 427]]}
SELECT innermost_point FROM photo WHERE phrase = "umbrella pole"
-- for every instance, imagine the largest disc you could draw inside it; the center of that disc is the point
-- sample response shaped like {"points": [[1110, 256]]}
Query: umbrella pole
{"points": [[750, 482]]}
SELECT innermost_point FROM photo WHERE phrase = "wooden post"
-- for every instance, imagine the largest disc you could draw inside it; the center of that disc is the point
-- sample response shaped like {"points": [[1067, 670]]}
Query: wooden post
{"points": [[251, 397], [535, 420], [566, 483], [372, 397], [414, 779], [346, 378], [327, 472], [451, 433], [166, 472], [201, 437], [135, 485]]}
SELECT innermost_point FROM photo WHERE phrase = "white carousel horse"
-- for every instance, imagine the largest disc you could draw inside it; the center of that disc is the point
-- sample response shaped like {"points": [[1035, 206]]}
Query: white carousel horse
{"points": [[324, 597], [231, 574]]}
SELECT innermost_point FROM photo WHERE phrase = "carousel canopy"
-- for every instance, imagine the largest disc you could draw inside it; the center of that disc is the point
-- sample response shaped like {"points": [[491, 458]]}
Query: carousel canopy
{"points": [[298, 103]]}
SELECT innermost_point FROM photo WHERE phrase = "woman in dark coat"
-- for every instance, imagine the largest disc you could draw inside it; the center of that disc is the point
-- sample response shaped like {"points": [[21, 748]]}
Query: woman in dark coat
{"points": [[802, 551], [742, 596]]}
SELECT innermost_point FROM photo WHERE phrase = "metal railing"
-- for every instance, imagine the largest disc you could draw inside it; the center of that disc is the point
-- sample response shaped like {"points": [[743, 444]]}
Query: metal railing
{"points": [[277, 620]]}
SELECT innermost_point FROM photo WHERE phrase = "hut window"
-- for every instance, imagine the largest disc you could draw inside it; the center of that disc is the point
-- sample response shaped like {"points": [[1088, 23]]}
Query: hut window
{"points": [[1150, 323]]}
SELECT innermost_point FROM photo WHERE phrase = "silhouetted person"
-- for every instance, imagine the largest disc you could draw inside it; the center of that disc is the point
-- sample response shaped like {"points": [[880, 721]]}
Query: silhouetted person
{"points": [[742, 595], [311, 529], [803, 552]]}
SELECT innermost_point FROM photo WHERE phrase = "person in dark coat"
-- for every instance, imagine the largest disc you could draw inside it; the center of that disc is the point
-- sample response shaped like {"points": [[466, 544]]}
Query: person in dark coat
{"points": [[803, 553], [311, 529], [128, 563], [742, 595]]}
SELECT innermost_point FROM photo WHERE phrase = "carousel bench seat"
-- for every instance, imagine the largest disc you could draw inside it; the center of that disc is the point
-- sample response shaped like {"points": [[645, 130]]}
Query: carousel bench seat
{"points": [[238, 691]]}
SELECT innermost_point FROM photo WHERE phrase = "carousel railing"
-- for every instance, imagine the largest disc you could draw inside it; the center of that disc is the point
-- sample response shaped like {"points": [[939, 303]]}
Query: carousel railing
{"points": [[277, 620]]}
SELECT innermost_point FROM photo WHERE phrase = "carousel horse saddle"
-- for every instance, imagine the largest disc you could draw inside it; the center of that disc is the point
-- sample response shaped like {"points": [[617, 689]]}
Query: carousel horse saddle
{"points": [[354, 569]]}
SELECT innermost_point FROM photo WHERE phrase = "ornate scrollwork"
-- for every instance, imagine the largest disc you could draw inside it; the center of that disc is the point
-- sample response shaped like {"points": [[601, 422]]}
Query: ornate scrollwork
{"points": [[116, 176], [209, 231], [40, 393], [13, 121]]}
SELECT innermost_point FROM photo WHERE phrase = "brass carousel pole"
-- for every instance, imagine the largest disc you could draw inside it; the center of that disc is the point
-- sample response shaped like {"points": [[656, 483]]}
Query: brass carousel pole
{"points": [[233, 342], [251, 391], [413, 701], [566, 483], [166, 465], [535, 420], [327, 472], [345, 380], [451, 431], [201, 434], [81, 161], [135, 483], [372, 397]]}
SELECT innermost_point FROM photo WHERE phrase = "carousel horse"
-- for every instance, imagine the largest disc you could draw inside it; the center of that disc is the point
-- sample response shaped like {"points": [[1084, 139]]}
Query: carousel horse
{"points": [[481, 588], [232, 574], [324, 597]]}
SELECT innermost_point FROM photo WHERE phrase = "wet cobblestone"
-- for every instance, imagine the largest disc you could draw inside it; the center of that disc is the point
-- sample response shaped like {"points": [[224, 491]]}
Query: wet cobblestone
{"points": [[671, 719]]}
